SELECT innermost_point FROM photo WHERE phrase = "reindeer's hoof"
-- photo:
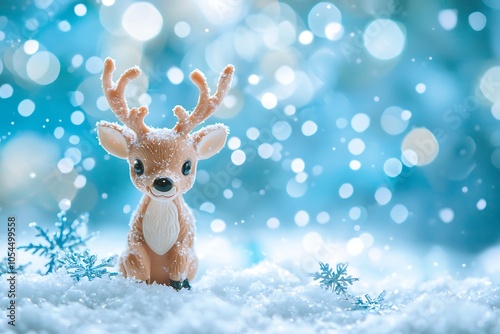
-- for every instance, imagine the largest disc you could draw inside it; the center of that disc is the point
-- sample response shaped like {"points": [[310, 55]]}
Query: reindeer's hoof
{"points": [[177, 285]]}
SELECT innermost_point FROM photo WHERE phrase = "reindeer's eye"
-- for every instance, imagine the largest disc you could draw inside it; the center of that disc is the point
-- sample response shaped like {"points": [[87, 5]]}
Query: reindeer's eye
{"points": [[138, 167], [186, 168]]}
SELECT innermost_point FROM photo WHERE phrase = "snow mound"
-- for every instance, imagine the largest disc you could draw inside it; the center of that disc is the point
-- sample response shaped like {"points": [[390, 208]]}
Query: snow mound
{"points": [[266, 298]]}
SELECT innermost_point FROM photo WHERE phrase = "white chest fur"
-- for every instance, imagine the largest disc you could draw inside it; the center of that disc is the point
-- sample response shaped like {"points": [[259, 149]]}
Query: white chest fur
{"points": [[160, 226]]}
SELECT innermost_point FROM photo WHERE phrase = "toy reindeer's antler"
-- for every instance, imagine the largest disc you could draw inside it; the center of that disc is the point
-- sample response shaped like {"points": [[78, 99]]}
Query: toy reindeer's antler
{"points": [[207, 104], [115, 94]]}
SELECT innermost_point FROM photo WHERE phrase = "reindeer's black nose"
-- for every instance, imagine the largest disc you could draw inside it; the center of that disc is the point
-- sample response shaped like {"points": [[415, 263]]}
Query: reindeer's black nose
{"points": [[163, 184]]}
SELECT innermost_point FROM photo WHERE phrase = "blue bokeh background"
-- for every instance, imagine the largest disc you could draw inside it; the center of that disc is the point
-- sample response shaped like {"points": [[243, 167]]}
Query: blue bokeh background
{"points": [[304, 71]]}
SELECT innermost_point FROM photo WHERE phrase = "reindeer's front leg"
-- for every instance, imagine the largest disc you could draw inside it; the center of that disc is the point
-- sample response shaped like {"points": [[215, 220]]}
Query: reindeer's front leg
{"points": [[183, 262], [135, 262]]}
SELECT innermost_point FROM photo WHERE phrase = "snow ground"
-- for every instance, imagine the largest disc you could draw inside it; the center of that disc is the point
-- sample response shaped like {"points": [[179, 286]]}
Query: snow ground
{"points": [[265, 298]]}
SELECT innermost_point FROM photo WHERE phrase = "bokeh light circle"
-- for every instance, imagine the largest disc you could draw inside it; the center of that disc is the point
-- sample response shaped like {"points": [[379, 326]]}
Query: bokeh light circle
{"points": [[355, 246], [346, 190], [383, 195], [495, 158], [477, 21], [446, 215], [490, 84], [448, 19], [321, 16], [142, 21], [281, 130], [420, 147], [43, 68], [384, 39], [399, 213], [394, 120], [356, 146], [301, 218], [393, 167], [360, 122], [26, 107]]}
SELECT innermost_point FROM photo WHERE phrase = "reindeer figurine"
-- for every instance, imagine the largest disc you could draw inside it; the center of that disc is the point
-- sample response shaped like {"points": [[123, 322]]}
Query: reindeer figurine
{"points": [[163, 167]]}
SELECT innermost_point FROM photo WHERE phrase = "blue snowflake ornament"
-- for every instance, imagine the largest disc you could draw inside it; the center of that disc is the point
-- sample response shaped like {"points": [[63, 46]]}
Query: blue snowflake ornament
{"points": [[80, 265], [337, 281], [369, 303], [6, 267], [68, 237]]}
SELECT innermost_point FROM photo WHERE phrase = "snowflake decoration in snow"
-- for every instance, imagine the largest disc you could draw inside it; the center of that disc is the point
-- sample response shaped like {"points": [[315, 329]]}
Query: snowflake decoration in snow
{"points": [[335, 281], [368, 303], [80, 265], [5, 267], [68, 237], [339, 282]]}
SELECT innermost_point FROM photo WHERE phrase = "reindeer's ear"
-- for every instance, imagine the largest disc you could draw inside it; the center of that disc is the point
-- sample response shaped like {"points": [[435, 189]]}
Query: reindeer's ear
{"points": [[210, 140], [113, 138]]}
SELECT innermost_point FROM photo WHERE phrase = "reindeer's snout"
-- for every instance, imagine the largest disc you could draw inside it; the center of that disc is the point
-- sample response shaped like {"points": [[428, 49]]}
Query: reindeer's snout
{"points": [[163, 184]]}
